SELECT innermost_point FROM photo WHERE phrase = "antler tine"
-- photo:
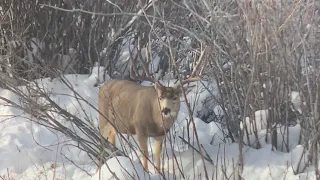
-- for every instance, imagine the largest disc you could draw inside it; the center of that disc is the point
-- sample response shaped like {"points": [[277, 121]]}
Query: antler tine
{"points": [[136, 75], [146, 68], [142, 78], [196, 69]]}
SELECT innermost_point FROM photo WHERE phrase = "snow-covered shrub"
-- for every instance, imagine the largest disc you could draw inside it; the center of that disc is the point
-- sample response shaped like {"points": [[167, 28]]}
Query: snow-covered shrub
{"points": [[207, 107]]}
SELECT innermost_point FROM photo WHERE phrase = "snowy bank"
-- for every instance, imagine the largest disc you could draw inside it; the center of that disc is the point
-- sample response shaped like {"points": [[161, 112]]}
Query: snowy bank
{"points": [[30, 151]]}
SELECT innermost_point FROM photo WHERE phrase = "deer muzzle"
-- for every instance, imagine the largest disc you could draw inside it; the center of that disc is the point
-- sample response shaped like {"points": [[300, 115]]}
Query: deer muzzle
{"points": [[166, 111]]}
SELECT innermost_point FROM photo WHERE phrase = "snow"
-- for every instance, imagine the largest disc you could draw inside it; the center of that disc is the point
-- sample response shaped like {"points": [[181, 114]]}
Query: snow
{"points": [[130, 170], [296, 101], [31, 151], [124, 59]]}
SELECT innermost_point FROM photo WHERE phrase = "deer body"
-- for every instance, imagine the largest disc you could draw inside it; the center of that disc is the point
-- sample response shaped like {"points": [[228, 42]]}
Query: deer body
{"points": [[129, 108], [140, 110]]}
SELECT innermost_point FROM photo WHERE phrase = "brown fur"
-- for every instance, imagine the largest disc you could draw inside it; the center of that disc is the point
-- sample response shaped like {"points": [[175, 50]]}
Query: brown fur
{"points": [[135, 109]]}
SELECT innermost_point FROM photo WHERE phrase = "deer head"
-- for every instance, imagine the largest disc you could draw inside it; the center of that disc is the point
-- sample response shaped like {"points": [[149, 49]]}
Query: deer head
{"points": [[169, 97]]}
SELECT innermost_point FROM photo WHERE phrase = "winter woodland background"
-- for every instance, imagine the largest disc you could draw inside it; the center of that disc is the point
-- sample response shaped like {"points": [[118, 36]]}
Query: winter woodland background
{"points": [[255, 112]]}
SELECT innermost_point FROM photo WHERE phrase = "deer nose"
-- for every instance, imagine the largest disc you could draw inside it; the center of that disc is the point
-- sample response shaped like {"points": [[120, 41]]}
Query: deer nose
{"points": [[166, 111]]}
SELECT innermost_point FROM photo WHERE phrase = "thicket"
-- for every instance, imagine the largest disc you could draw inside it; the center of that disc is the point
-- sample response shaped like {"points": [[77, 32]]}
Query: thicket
{"points": [[258, 53]]}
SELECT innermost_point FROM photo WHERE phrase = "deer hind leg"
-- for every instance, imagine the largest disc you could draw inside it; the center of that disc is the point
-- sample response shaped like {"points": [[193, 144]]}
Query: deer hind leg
{"points": [[157, 145], [144, 148], [112, 136], [109, 133]]}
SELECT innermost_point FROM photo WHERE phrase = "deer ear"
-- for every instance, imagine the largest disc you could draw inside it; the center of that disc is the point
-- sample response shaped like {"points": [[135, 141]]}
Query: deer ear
{"points": [[158, 87]]}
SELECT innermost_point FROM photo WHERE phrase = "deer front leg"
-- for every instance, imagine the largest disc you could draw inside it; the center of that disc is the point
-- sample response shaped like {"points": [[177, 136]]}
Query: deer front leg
{"points": [[157, 145], [144, 148]]}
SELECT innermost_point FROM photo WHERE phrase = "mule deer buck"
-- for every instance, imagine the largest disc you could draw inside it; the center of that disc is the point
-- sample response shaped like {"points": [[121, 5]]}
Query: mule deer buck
{"points": [[146, 111]]}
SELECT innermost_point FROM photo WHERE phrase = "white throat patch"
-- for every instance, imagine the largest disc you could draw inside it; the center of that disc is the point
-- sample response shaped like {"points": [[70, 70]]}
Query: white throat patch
{"points": [[169, 115]]}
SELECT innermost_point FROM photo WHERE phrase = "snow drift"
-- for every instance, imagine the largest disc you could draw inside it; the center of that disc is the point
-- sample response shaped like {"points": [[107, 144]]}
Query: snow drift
{"points": [[30, 151]]}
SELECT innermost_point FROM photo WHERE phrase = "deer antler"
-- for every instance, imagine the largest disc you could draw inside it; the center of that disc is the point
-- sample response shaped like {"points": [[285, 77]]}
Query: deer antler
{"points": [[136, 75], [196, 69]]}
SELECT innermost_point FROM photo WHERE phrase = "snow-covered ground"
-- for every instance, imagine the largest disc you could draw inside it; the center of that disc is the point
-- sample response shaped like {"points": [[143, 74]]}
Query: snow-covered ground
{"points": [[30, 151]]}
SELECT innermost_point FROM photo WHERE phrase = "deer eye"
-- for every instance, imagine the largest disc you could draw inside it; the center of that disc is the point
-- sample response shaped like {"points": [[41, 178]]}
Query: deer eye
{"points": [[174, 98]]}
